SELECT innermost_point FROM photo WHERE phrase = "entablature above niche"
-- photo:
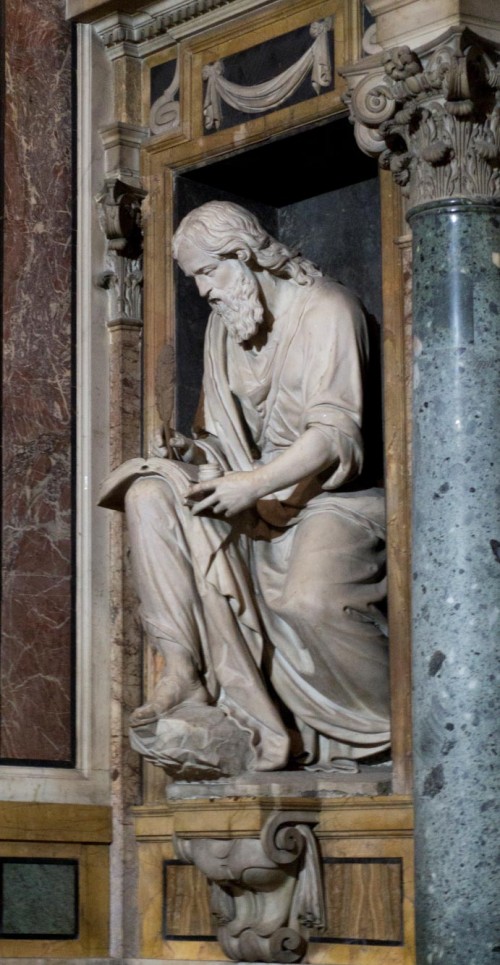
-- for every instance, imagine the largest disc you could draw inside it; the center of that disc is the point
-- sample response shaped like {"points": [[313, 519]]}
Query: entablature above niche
{"points": [[146, 26], [212, 71], [416, 22]]}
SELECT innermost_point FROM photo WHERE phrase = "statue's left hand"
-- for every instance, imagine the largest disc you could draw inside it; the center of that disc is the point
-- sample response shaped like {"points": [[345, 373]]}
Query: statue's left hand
{"points": [[226, 496]]}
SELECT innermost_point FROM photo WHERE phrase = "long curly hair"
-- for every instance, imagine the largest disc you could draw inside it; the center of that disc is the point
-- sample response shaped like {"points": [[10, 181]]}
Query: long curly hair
{"points": [[225, 229]]}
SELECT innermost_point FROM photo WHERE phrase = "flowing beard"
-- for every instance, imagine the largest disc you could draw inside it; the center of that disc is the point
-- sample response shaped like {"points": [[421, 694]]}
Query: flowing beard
{"points": [[241, 308]]}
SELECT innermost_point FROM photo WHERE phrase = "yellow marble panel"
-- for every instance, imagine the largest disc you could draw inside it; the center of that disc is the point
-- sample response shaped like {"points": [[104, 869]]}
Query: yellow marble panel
{"points": [[93, 886], [364, 899], [21, 821], [186, 902], [369, 888]]}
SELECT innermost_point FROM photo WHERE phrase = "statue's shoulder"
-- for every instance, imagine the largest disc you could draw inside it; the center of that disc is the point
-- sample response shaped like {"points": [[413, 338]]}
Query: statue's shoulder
{"points": [[331, 301]]}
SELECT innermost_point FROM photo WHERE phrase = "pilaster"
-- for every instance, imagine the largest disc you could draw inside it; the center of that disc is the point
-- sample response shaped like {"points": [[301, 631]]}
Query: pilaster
{"points": [[109, 324], [119, 207]]}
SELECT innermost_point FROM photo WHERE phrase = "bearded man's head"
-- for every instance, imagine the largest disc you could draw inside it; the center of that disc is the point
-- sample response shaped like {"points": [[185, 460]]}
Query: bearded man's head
{"points": [[224, 230]]}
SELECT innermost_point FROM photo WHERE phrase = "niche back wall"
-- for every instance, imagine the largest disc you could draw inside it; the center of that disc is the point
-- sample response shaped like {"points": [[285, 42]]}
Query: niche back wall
{"points": [[329, 207]]}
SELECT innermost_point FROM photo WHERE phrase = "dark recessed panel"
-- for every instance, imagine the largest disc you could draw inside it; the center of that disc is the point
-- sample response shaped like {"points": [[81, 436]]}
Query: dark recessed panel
{"points": [[265, 62], [39, 898], [290, 169], [161, 77], [368, 18]]}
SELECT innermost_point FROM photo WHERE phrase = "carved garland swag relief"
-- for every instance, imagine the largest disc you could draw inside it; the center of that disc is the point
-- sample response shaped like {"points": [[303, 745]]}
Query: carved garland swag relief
{"points": [[251, 99]]}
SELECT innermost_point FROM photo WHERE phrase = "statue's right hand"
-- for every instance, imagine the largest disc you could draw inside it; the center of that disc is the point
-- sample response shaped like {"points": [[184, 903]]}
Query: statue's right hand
{"points": [[159, 446], [181, 443], [177, 446]]}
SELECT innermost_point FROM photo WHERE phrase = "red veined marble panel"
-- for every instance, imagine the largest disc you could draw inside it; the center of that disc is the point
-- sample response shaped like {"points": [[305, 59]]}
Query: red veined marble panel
{"points": [[36, 644]]}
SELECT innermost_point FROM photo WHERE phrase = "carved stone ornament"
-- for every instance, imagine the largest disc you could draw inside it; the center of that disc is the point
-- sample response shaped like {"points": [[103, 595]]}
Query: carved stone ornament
{"points": [[212, 556], [432, 116], [151, 23], [164, 114], [270, 94], [266, 894], [119, 208]]}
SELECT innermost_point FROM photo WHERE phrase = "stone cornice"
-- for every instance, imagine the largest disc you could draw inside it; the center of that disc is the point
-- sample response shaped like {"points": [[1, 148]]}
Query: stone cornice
{"points": [[152, 20], [140, 28], [433, 115], [415, 22], [88, 10]]}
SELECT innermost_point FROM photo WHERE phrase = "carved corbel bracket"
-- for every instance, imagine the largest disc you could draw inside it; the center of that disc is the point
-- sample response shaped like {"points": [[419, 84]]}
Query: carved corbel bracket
{"points": [[120, 215], [119, 207], [432, 116], [266, 893]]}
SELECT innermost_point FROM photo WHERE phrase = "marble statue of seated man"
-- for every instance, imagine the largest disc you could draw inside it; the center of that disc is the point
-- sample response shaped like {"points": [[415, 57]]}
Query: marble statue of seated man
{"points": [[257, 550]]}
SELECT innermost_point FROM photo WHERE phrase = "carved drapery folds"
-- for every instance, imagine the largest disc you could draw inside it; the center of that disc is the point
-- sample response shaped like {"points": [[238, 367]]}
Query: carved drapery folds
{"points": [[265, 893], [269, 94], [433, 116], [119, 208]]}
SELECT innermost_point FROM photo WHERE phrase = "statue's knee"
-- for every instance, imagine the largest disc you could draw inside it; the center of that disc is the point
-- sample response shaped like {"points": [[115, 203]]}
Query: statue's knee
{"points": [[315, 608], [147, 491], [304, 606]]}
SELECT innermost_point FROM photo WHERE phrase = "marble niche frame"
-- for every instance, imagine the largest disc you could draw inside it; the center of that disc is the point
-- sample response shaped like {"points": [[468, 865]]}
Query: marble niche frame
{"points": [[187, 147]]}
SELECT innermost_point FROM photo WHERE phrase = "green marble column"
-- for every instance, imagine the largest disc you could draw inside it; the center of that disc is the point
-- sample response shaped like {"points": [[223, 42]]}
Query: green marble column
{"points": [[433, 115], [456, 579]]}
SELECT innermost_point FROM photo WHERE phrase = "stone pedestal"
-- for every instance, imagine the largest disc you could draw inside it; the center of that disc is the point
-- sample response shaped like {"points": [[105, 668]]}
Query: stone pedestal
{"points": [[456, 573], [262, 875]]}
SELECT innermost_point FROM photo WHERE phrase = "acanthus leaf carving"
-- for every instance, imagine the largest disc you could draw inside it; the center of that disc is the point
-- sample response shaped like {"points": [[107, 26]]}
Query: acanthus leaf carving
{"points": [[432, 116], [119, 207]]}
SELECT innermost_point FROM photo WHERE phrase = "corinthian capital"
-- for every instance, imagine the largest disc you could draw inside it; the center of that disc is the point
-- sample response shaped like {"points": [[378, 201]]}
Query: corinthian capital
{"points": [[432, 115]]}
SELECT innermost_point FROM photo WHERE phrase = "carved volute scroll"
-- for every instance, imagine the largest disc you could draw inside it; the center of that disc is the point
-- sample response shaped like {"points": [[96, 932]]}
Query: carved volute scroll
{"points": [[119, 208], [433, 116], [265, 894]]}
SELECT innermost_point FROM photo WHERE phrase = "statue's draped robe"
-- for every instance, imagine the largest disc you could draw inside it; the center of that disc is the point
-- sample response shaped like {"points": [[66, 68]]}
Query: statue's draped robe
{"points": [[289, 593]]}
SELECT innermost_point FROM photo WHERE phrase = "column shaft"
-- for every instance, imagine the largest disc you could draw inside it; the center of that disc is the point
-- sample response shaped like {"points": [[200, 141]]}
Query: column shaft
{"points": [[456, 579]]}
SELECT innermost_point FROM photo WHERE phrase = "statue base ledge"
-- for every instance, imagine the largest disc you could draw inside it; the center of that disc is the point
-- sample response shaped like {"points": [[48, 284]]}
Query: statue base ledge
{"points": [[365, 848], [372, 780]]}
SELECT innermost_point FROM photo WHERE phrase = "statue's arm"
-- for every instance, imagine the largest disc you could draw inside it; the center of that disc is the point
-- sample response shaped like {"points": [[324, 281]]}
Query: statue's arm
{"points": [[312, 453], [330, 354], [334, 366]]}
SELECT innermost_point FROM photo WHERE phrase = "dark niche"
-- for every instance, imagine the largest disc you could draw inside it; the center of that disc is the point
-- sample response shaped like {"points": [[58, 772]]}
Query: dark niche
{"points": [[330, 209]]}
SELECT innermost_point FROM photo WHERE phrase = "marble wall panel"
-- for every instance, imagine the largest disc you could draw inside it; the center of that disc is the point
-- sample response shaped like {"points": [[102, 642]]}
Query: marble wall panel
{"points": [[39, 898], [36, 647]]}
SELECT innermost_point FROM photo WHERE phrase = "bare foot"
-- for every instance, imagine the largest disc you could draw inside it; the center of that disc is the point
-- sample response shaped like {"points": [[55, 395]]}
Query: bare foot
{"points": [[169, 692]]}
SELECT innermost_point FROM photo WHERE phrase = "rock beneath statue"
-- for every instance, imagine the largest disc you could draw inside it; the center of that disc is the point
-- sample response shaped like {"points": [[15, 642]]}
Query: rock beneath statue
{"points": [[195, 743]]}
